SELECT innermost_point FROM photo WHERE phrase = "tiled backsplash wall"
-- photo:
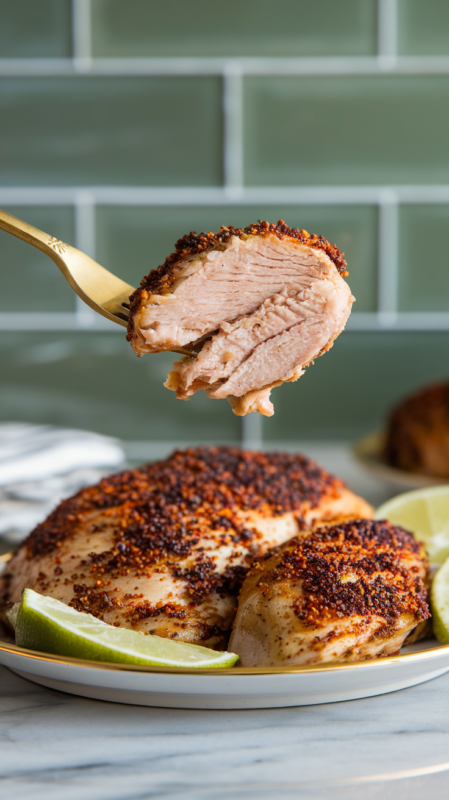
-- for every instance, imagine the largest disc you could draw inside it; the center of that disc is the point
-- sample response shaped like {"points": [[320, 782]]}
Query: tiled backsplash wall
{"points": [[126, 124]]}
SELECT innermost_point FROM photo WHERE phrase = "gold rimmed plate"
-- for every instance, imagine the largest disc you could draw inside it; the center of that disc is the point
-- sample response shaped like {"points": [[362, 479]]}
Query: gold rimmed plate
{"points": [[235, 688], [369, 452]]}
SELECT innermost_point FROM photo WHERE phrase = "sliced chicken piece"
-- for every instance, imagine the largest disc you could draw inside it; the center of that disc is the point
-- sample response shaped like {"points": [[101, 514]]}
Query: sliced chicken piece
{"points": [[256, 304], [341, 593], [164, 549]]}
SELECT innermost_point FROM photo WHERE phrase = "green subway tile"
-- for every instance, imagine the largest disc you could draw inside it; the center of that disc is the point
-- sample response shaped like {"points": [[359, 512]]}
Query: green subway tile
{"points": [[252, 28], [349, 390], [423, 260], [423, 27], [31, 29], [30, 280], [131, 240], [347, 130], [95, 381], [90, 130]]}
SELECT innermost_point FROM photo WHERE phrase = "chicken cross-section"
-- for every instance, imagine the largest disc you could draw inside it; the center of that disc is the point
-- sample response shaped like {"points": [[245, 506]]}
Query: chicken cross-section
{"points": [[257, 305]]}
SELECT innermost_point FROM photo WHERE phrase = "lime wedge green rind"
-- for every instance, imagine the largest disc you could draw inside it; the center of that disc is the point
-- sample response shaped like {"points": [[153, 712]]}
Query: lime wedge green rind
{"points": [[439, 604], [47, 625], [424, 512]]}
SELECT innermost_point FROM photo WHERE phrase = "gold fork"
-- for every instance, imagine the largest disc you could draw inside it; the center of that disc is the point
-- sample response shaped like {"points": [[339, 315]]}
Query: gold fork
{"points": [[100, 289], [95, 285]]}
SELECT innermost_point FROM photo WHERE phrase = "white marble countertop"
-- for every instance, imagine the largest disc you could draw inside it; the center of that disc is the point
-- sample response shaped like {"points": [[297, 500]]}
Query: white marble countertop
{"points": [[55, 746]]}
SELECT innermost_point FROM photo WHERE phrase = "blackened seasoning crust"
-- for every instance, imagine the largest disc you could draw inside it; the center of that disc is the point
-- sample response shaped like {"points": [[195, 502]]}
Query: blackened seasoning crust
{"points": [[208, 481], [165, 548], [342, 592], [371, 552]]}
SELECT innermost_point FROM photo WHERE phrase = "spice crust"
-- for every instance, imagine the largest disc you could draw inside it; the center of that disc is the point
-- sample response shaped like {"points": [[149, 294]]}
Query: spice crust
{"points": [[355, 568], [206, 482]]}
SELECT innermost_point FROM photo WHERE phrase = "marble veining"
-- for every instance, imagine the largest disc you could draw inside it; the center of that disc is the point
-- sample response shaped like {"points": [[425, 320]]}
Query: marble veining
{"points": [[54, 745]]}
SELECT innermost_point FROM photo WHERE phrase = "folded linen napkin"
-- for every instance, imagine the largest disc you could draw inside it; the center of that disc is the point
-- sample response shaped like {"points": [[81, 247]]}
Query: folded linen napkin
{"points": [[40, 465]]}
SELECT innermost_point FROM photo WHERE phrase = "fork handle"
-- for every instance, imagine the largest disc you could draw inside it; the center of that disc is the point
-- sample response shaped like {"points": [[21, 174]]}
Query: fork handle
{"points": [[28, 233]]}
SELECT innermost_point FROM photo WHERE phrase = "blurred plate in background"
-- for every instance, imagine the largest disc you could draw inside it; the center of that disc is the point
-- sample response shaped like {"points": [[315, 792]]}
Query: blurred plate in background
{"points": [[369, 452]]}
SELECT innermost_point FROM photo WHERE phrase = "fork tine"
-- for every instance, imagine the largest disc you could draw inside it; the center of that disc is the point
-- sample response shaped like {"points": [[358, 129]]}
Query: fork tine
{"points": [[100, 289]]}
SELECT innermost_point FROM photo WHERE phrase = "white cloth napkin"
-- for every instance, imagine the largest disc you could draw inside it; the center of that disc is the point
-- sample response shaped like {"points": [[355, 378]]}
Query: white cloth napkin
{"points": [[40, 465]]}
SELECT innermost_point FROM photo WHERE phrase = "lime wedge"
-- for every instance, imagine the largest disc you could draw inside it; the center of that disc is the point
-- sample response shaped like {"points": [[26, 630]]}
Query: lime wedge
{"points": [[11, 615], [50, 626], [424, 512], [439, 604]]}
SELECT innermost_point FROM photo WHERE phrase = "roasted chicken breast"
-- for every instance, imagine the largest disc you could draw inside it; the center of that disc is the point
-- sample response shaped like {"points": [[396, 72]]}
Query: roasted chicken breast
{"points": [[340, 593], [165, 548], [257, 305]]}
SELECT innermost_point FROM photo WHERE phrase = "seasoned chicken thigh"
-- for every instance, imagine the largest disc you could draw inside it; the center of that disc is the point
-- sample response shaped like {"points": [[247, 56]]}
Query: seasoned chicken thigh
{"points": [[257, 304], [340, 593], [164, 549]]}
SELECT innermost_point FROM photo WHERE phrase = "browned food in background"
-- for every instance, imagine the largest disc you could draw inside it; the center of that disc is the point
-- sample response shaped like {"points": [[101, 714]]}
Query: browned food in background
{"points": [[417, 437]]}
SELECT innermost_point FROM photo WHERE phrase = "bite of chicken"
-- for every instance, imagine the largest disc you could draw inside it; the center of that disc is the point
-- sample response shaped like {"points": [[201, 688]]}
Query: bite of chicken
{"points": [[257, 305], [343, 592]]}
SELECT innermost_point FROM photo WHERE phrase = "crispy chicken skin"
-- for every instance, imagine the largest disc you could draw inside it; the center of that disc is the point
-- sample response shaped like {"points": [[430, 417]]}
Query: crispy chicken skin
{"points": [[164, 549], [418, 432], [343, 592], [257, 304]]}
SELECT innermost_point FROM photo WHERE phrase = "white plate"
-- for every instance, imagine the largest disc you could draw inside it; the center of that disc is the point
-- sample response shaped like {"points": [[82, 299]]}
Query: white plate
{"points": [[368, 452], [235, 688]]}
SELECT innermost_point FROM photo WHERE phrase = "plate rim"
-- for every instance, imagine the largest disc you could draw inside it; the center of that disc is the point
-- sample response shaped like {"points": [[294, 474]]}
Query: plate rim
{"points": [[367, 451], [36, 655]]}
